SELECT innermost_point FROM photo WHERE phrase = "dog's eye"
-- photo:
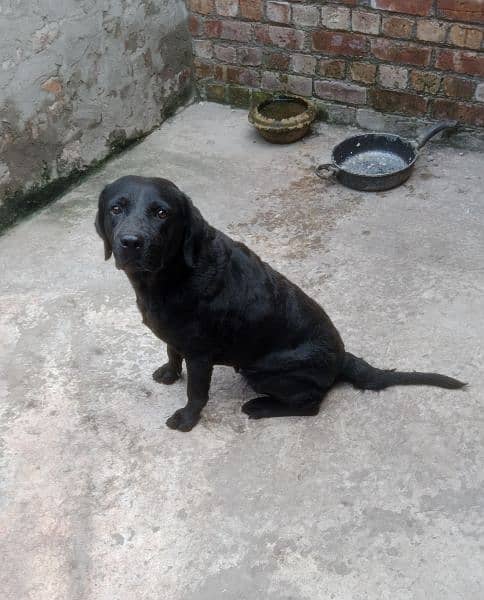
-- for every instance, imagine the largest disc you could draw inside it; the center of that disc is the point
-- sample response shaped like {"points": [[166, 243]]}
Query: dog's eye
{"points": [[116, 209], [162, 213]]}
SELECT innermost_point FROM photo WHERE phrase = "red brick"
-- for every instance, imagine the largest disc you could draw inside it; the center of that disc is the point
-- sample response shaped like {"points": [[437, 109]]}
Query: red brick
{"points": [[460, 61], [456, 87], [393, 77], [426, 82], [203, 7], [236, 31], [302, 86], [366, 22], [202, 48], [195, 25], [465, 113], [238, 96], [202, 69], [399, 102], [213, 29], [431, 31], [467, 37], [215, 92], [219, 72], [399, 27], [278, 12], [303, 63], [400, 52], [346, 44], [480, 92], [271, 81], [225, 54], [251, 9], [276, 60], [282, 37], [227, 8], [421, 8], [469, 11], [340, 91], [305, 16], [335, 17], [249, 77], [249, 56], [333, 69], [240, 75], [364, 72]]}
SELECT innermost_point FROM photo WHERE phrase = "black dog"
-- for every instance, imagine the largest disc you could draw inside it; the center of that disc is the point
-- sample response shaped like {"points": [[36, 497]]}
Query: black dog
{"points": [[214, 302]]}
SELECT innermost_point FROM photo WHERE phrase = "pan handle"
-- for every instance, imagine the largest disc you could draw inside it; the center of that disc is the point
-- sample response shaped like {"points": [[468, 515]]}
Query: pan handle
{"points": [[326, 170], [434, 130]]}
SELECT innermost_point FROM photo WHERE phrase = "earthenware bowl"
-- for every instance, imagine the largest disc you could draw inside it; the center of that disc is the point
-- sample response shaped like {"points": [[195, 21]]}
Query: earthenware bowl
{"points": [[283, 119]]}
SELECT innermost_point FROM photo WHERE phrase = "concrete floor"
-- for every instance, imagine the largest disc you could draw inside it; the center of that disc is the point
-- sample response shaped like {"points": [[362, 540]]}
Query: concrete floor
{"points": [[379, 497]]}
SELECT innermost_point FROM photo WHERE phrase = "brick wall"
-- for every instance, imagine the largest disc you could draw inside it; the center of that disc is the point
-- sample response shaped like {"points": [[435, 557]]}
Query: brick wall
{"points": [[420, 58]]}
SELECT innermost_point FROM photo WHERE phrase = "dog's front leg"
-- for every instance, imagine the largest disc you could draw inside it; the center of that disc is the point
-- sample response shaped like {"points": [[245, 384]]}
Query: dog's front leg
{"points": [[170, 371], [199, 373]]}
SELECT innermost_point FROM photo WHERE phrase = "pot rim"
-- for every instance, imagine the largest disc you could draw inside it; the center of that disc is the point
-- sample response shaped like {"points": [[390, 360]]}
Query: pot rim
{"points": [[304, 119]]}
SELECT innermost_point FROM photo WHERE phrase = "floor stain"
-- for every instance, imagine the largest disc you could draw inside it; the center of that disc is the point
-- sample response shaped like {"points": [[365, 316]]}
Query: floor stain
{"points": [[294, 221]]}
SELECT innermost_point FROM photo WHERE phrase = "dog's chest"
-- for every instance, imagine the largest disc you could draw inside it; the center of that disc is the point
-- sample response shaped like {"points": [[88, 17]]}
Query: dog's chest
{"points": [[152, 314], [161, 317]]}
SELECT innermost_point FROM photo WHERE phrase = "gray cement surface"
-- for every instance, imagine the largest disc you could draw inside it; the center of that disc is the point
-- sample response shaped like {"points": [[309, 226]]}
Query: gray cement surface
{"points": [[79, 78], [378, 497]]}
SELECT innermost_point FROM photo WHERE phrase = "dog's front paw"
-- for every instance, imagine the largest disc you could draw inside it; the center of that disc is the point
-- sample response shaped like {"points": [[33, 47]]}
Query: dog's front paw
{"points": [[166, 374], [183, 420]]}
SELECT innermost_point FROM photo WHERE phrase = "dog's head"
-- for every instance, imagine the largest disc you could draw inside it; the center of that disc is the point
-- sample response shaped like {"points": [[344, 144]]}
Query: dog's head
{"points": [[147, 223]]}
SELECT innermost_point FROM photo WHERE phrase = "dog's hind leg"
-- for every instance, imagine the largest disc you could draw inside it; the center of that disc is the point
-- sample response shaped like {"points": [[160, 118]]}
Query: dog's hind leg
{"points": [[285, 394], [266, 406], [170, 371]]}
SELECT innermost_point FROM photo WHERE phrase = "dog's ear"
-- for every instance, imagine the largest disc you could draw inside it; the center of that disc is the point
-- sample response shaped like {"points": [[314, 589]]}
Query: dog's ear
{"points": [[194, 232], [99, 224]]}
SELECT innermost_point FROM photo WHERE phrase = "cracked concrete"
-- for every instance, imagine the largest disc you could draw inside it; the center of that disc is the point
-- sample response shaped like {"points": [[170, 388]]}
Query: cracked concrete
{"points": [[379, 497], [77, 78]]}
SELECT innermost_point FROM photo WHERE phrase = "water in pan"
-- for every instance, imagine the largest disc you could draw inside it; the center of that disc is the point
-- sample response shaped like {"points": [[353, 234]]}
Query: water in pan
{"points": [[374, 162]]}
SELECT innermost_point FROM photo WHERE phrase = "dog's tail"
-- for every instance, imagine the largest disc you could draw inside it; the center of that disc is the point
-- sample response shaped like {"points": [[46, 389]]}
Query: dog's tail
{"points": [[365, 377]]}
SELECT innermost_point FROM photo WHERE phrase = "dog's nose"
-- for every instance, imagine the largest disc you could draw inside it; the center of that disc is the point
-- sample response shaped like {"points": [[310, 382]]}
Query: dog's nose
{"points": [[133, 242]]}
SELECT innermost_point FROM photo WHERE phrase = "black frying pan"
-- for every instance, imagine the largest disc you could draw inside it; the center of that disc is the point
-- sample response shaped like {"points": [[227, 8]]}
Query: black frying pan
{"points": [[376, 161]]}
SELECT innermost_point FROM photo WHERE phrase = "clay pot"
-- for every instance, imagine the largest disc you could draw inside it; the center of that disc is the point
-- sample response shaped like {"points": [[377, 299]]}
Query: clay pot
{"points": [[283, 119]]}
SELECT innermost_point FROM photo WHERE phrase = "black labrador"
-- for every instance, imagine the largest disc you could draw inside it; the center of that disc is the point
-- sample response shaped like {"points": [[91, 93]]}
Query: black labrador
{"points": [[214, 302]]}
